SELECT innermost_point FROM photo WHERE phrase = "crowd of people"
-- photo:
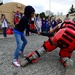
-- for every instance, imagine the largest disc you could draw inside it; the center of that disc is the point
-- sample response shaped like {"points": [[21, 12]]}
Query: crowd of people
{"points": [[36, 23], [43, 24]]}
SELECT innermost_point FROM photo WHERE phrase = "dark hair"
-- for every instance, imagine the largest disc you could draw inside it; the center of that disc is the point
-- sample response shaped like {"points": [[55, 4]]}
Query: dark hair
{"points": [[28, 10], [67, 15]]}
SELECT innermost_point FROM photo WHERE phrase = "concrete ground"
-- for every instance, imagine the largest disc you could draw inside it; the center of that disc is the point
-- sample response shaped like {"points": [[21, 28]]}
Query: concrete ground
{"points": [[48, 64]]}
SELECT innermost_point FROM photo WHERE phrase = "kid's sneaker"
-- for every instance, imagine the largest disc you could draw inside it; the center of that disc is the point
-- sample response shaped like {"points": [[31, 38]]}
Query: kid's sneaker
{"points": [[16, 63], [22, 54]]}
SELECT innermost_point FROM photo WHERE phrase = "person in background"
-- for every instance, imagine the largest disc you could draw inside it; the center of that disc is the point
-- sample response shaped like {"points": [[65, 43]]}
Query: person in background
{"points": [[43, 24], [67, 17], [53, 22], [38, 16], [47, 25], [32, 24], [59, 21], [39, 24], [27, 32], [73, 18], [17, 17], [49, 21], [4, 24]]}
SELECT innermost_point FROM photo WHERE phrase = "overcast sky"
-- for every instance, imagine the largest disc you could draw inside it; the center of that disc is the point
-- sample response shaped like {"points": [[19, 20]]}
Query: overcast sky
{"points": [[42, 5]]}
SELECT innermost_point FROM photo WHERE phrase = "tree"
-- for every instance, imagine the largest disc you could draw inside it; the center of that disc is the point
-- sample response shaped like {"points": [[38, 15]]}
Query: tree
{"points": [[36, 15], [1, 2], [42, 14], [72, 10]]}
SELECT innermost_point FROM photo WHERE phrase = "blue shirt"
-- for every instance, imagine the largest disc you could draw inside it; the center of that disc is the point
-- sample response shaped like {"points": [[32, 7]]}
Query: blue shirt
{"points": [[17, 32]]}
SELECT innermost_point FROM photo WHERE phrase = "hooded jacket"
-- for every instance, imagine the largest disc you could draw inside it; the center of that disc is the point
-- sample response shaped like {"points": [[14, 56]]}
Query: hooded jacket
{"points": [[24, 21]]}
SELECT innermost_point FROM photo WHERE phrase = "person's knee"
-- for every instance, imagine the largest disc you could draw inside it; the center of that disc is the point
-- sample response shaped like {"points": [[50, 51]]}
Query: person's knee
{"points": [[64, 53], [19, 46], [48, 46]]}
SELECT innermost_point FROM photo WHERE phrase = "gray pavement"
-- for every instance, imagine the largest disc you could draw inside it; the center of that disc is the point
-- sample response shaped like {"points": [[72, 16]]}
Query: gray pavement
{"points": [[48, 64], [8, 36]]}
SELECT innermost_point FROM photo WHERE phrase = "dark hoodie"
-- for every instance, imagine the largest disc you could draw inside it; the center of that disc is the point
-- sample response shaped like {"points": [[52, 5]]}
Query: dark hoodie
{"points": [[24, 21]]}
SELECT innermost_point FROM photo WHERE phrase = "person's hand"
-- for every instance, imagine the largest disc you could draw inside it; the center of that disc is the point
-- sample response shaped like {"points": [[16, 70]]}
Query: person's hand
{"points": [[49, 31], [59, 25], [55, 29], [38, 33]]}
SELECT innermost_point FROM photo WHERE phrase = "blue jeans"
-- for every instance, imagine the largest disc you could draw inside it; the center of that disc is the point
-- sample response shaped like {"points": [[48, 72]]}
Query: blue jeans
{"points": [[20, 46]]}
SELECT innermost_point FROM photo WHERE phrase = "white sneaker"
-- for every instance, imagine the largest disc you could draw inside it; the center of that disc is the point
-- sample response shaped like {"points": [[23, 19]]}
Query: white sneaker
{"points": [[16, 63]]}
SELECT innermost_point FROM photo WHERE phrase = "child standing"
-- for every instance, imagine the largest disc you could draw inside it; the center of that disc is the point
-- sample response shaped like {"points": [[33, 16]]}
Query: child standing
{"points": [[39, 24], [19, 33]]}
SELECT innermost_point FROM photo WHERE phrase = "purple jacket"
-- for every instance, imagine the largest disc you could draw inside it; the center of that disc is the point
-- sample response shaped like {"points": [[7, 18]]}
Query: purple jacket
{"points": [[43, 23]]}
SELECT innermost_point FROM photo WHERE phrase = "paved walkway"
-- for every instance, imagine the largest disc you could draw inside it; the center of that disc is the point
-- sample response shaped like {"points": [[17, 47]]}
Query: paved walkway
{"points": [[48, 64], [8, 36]]}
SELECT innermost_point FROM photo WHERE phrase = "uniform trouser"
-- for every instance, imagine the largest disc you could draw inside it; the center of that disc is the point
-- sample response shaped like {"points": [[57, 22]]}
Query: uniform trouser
{"points": [[64, 54], [48, 47]]}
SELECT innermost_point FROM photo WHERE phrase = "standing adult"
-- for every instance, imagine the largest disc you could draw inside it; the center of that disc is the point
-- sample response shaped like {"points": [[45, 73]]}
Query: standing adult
{"points": [[67, 17], [59, 21], [43, 24], [47, 25], [17, 17], [39, 24], [53, 22], [73, 18], [4, 24]]}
